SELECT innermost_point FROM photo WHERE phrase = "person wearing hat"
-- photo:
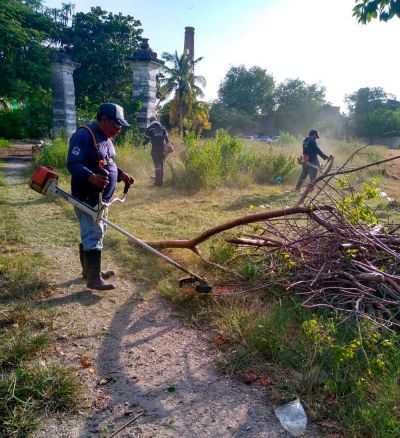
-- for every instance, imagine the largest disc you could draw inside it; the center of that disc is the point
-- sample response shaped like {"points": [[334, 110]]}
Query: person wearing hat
{"points": [[157, 134], [309, 160], [90, 149]]}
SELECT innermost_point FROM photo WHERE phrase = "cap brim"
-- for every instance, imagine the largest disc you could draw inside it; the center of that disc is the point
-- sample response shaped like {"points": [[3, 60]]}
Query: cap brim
{"points": [[123, 122]]}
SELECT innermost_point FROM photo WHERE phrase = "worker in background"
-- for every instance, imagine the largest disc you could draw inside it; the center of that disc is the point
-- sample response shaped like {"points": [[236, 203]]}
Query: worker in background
{"points": [[157, 134], [309, 159]]}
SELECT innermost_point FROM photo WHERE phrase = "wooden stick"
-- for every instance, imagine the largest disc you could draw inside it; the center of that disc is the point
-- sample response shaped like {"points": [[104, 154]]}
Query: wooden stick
{"points": [[126, 425]]}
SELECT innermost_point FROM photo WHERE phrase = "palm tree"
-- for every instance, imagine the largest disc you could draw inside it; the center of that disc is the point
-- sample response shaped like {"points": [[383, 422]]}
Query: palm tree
{"points": [[181, 81]]}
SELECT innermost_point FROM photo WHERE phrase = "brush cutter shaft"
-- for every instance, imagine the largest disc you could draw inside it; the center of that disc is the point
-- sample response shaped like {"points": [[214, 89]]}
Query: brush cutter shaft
{"points": [[152, 250], [96, 214]]}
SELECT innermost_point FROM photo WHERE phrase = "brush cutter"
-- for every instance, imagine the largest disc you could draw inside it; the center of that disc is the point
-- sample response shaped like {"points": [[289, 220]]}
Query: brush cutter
{"points": [[45, 181]]}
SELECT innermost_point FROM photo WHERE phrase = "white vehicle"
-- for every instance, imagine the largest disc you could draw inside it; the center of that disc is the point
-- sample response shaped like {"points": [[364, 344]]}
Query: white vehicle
{"points": [[265, 139]]}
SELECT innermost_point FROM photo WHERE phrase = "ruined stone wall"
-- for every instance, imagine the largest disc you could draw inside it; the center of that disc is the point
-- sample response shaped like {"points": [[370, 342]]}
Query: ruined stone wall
{"points": [[63, 94], [144, 89]]}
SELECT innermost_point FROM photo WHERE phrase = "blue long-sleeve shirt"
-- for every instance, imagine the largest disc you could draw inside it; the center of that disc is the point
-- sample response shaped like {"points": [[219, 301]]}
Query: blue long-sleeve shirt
{"points": [[311, 149], [83, 161]]}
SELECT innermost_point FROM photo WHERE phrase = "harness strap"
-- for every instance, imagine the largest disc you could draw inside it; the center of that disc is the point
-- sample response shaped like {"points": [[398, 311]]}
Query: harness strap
{"points": [[92, 134]]}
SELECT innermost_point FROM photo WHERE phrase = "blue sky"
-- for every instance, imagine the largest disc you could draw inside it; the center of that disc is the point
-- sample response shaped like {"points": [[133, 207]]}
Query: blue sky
{"points": [[315, 40]]}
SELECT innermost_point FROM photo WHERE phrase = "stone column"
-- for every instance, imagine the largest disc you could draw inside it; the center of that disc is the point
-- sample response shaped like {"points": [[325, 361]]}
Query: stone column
{"points": [[63, 93], [189, 41], [145, 68]]}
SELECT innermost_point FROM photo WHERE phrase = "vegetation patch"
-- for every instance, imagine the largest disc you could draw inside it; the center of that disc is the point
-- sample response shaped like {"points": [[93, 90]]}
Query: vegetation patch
{"points": [[31, 386]]}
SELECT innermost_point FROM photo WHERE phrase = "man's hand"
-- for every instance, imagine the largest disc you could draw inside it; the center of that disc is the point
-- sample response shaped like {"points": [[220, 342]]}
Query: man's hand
{"points": [[127, 179], [99, 181]]}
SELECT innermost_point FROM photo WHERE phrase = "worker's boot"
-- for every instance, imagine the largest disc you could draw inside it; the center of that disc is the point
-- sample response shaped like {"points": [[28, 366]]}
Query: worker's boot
{"points": [[93, 271], [105, 275]]}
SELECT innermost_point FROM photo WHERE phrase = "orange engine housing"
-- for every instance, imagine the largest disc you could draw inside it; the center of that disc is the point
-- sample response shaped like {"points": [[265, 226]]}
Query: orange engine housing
{"points": [[41, 177]]}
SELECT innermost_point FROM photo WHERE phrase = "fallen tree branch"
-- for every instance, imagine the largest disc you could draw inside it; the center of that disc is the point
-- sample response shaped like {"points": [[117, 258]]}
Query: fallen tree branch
{"points": [[244, 220]]}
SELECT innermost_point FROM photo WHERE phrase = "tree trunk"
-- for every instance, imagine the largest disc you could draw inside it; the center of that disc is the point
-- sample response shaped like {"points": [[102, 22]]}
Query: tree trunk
{"points": [[181, 115]]}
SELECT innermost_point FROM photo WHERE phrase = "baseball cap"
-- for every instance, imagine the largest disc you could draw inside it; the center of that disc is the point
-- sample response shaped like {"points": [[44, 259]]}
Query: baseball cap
{"points": [[113, 111], [313, 132]]}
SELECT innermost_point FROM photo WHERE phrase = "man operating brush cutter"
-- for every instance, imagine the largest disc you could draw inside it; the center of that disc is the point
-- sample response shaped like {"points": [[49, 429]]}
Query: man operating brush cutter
{"points": [[94, 176], [91, 163]]}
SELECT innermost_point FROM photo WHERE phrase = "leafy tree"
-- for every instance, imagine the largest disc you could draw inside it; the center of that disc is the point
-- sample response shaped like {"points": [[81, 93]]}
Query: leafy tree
{"points": [[101, 42], [232, 120], [366, 10], [298, 104], [372, 112], [181, 81], [249, 91], [24, 64], [25, 33], [366, 100]]}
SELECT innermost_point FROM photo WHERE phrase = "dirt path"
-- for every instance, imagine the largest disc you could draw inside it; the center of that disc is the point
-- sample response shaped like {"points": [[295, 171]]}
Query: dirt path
{"points": [[142, 357]]}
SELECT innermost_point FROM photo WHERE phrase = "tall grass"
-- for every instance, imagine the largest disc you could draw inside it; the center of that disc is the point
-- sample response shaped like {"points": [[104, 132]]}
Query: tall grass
{"points": [[54, 155], [224, 160]]}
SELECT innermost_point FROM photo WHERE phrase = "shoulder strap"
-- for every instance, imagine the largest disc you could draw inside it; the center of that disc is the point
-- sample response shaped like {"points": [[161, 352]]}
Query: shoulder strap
{"points": [[92, 134]]}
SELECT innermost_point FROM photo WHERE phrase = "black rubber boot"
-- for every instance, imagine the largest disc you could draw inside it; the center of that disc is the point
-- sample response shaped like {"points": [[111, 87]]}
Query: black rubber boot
{"points": [[105, 275], [93, 271]]}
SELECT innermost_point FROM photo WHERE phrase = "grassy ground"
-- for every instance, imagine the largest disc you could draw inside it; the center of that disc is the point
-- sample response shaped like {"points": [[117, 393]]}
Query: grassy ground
{"points": [[268, 337], [32, 383]]}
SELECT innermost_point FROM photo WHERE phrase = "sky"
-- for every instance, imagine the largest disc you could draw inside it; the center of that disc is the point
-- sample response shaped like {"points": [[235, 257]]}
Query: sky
{"points": [[317, 41]]}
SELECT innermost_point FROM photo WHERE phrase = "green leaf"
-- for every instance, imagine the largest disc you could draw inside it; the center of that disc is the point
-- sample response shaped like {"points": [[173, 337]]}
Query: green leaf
{"points": [[19, 373], [171, 389]]}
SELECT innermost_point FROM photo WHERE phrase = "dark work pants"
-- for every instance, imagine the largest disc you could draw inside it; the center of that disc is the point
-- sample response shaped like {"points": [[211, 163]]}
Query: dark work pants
{"points": [[307, 170], [158, 159]]}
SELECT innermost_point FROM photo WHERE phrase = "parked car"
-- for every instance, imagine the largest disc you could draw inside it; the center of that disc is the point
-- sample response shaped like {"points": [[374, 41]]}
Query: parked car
{"points": [[247, 137], [265, 139], [275, 138]]}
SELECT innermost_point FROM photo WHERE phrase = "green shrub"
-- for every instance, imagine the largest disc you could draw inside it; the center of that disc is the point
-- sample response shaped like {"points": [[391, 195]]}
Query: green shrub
{"points": [[13, 124], [34, 120], [54, 155], [4, 143], [273, 164], [287, 139], [212, 162]]}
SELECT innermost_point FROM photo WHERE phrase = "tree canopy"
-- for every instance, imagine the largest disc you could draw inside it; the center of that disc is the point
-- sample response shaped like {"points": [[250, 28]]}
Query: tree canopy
{"points": [[298, 104], [366, 10], [248, 90], [101, 42], [24, 63], [373, 113]]}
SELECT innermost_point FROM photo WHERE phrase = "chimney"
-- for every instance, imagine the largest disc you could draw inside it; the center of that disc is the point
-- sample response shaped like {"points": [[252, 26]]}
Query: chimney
{"points": [[189, 41]]}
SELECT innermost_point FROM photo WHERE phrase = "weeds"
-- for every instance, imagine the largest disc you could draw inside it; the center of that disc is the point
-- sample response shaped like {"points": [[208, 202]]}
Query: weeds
{"points": [[4, 143], [21, 344], [223, 160], [31, 392], [54, 155], [29, 388], [272, 165]]}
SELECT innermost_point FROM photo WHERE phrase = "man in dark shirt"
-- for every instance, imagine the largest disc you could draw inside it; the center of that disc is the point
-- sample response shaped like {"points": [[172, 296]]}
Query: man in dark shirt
{"points": [[90, 149], [157, 134], [310, 161]]}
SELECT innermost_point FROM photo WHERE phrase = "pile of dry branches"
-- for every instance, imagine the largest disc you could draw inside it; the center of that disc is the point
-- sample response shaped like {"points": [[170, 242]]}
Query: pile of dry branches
{"points": [[321, 251]]}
